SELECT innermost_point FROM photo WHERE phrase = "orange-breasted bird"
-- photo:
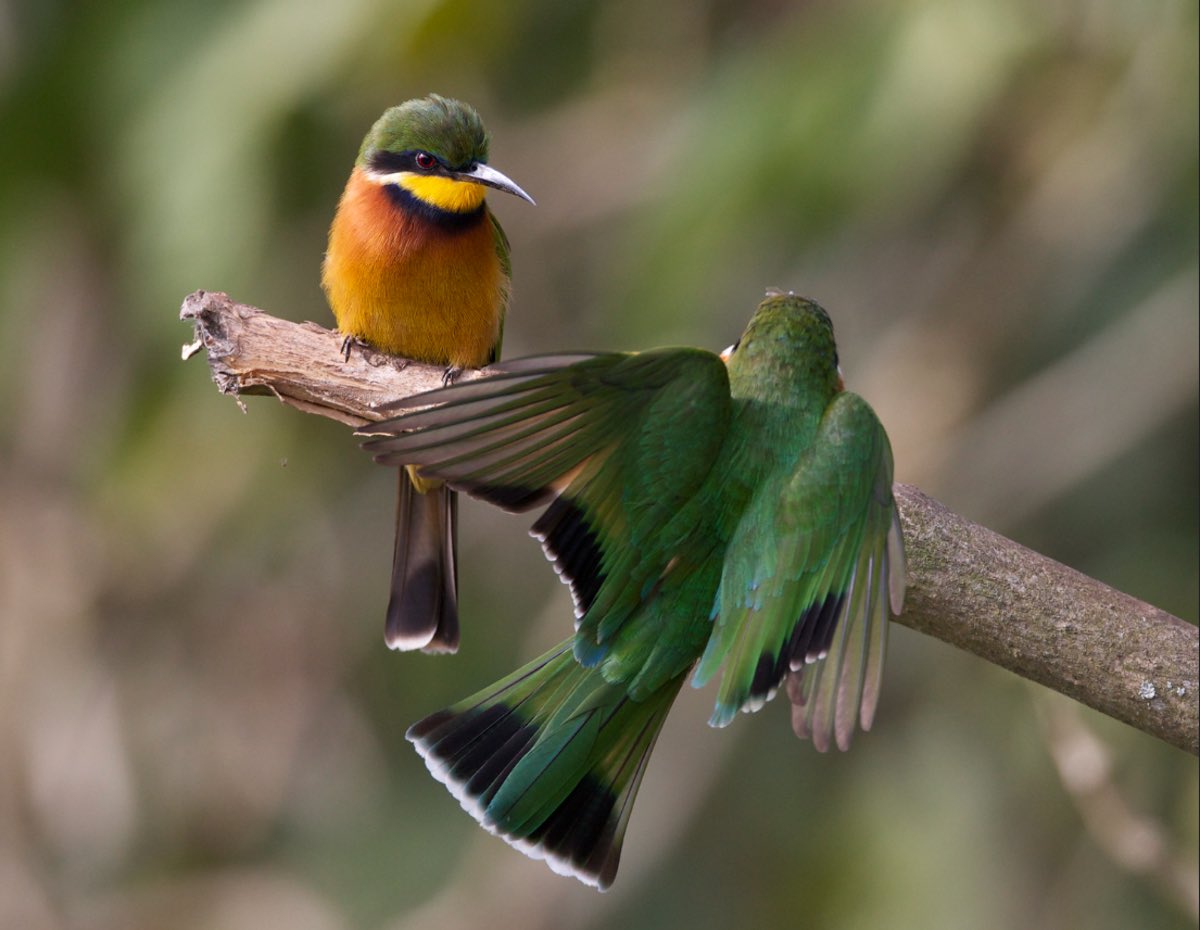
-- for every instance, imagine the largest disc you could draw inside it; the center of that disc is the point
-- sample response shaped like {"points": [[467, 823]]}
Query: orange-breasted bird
{"points": [[417, 266]]}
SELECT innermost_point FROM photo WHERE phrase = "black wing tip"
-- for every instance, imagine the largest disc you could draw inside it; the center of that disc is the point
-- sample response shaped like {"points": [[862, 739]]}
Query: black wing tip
{"points": [[768, 673], [514, 498], [809, 639], [571, 542]]}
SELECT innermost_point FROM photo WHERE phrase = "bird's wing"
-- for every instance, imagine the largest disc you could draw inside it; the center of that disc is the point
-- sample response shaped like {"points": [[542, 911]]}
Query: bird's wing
{"points": [[807, 580], [502, 248], [615, 444], [505, 256]]}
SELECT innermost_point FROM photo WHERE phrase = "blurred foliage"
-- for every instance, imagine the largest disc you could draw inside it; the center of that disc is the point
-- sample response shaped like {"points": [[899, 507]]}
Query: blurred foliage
{"points": [[199, 724]]}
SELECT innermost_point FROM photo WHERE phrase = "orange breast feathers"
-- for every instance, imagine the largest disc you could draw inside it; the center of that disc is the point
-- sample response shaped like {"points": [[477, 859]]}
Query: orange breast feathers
{"points": [[409, 288]]}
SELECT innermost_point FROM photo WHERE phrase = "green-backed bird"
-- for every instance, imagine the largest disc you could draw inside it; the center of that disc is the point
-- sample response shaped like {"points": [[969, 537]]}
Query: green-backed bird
{"points": [[726, 516], [418, 267]]}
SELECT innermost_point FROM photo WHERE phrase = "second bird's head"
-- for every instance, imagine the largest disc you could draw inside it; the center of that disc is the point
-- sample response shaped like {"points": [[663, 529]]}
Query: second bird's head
{"points": [[435, 150]]}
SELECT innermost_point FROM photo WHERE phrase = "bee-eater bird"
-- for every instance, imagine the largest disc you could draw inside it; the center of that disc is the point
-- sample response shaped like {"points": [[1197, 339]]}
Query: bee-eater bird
{"points": [[418, 267], [710, 515]]}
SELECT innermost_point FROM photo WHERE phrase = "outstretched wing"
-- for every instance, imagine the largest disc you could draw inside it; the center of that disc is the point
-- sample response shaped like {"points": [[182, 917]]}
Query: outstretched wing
{"points": [[615, 443], [807, 580]]}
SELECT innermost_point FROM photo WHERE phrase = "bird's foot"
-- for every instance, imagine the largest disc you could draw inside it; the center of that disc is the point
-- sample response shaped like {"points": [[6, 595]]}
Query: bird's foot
{"points": [[451, 374], [348, 344]]}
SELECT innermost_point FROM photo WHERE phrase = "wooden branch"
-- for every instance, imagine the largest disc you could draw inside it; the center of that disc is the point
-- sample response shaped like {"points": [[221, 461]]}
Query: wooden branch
{"points": [[984, 593], [302, 364], [967, 585]]}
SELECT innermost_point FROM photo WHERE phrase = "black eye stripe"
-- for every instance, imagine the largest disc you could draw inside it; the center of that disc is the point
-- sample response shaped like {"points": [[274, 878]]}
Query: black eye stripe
{"points": [[386, 162]]}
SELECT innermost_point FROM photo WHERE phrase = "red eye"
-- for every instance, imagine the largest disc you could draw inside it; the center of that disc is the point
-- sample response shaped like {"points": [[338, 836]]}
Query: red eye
{"points": [[425, 161]]}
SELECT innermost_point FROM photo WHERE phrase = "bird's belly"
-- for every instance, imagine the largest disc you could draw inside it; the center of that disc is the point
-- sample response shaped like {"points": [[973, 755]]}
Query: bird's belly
{"points": [[439, 301]]}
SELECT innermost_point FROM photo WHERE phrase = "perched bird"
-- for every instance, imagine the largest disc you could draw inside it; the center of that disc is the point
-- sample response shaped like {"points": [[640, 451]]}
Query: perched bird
{"points": [[718, 515], [418, 267]]}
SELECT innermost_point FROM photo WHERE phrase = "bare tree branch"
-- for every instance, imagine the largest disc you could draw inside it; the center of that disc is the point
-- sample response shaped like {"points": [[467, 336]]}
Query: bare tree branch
{"points": [[984, 593], [968, 586]]}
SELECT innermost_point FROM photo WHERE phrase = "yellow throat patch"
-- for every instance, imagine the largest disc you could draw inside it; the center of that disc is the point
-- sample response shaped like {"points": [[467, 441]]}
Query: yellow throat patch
{"points": [[443, 193]]}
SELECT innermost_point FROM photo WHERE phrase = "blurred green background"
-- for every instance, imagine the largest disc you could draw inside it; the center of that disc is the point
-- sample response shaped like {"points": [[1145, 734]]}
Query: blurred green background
{"points": [[200, 726]]}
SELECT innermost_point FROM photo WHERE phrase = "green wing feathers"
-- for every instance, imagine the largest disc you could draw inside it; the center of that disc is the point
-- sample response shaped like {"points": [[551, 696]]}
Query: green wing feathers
{"points": [[505, 255], [506, 439], [550, 759], [747, 535], [805, 588], [616, 444], [830, 697]]}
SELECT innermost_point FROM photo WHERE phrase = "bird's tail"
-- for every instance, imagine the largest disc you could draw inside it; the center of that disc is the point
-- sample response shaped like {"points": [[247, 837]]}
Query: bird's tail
{"points": [[549, 758], [422, 611]]}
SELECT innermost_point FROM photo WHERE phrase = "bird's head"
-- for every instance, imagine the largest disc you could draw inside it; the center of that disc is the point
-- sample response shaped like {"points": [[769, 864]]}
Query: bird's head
{"points": [[436, 149], [790, 335]]}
